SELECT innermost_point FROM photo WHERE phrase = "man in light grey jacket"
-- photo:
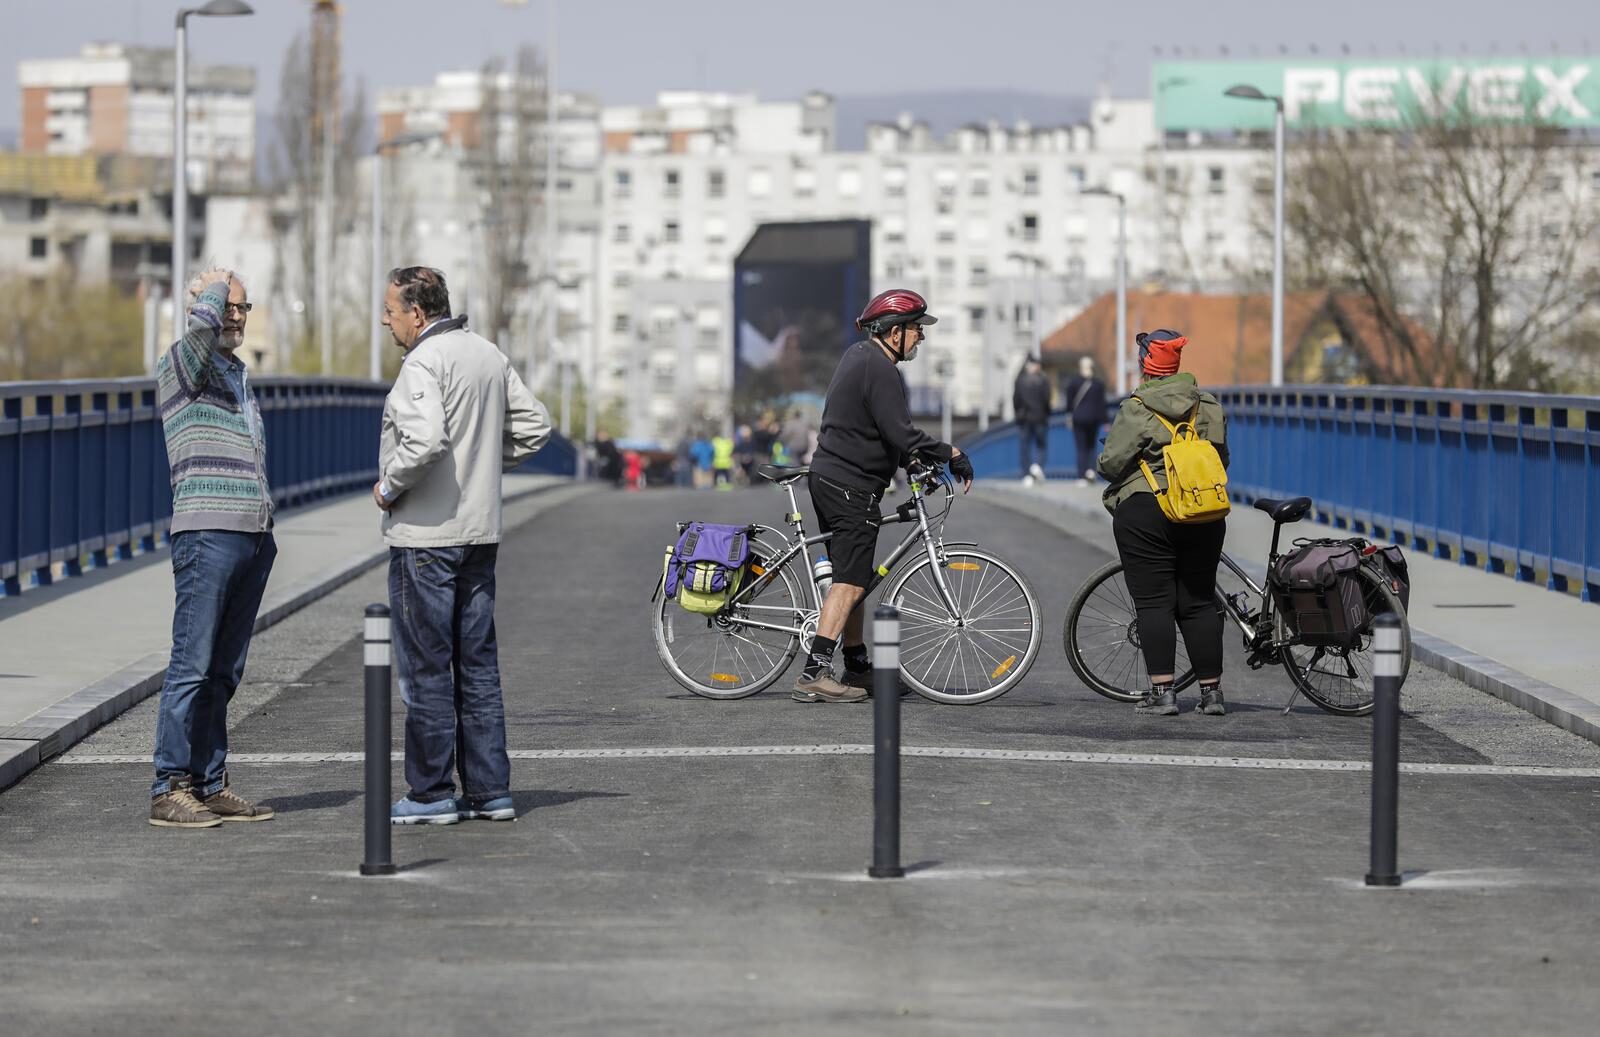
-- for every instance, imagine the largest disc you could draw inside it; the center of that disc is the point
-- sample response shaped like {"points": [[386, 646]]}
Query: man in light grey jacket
{"points": [[457, 417]]}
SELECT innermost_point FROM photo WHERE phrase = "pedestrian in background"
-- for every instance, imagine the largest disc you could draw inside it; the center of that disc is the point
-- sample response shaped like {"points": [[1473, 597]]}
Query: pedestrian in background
{"points": [[222, 553], [723, 452], [457, 417], [1086, 402], [1030, 402], [700, 450]]}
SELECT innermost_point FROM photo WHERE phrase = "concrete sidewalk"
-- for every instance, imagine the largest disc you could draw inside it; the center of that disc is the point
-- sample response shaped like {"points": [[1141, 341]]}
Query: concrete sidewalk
{"points": [[78, 654], [1534, 648]]}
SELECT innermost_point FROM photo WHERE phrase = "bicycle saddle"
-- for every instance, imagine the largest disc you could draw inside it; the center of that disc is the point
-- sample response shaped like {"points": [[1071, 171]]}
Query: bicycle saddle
{"points": [[779, 473], [1292, 510]]}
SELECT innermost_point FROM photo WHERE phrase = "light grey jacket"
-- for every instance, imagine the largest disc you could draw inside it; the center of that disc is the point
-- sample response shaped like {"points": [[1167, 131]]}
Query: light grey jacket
{"points": [[457, 417]]}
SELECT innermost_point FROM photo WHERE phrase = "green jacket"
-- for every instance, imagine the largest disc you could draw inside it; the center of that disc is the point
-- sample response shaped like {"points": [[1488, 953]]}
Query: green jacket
{"points": [[1137, 434]]}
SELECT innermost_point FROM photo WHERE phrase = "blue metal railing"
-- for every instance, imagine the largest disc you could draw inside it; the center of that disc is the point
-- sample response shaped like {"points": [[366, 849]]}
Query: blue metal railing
{"points": [[83, 465], [1505, 481]]}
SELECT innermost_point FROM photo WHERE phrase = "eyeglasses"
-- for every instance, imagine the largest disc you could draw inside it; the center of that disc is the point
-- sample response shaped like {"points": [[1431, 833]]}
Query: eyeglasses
{"points": [[241, 307]]}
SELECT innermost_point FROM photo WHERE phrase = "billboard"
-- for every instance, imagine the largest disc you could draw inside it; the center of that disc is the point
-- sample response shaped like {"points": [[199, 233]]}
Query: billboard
{"points": [[1188, 95], [797, 288]]}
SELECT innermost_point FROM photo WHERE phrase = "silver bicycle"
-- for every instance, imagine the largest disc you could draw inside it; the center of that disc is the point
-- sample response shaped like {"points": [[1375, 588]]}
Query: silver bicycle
{"points": [[969, 622]]}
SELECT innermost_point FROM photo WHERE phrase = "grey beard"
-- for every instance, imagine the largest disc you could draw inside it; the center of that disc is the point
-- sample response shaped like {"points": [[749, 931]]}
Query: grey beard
{"points": [[911, 354], [230, 340]]}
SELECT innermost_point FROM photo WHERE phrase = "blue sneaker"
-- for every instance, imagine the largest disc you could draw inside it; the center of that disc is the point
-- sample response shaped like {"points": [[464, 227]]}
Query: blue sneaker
{"points": [[497, 809], [409, 812]]}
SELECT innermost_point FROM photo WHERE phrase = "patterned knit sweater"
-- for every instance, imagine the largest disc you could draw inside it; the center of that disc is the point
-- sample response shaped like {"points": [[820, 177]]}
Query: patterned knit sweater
{"points": [[219, 468]]}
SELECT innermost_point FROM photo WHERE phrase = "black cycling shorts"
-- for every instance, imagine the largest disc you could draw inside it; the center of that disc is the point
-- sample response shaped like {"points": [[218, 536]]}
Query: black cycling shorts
{"points": [[852, 517]]}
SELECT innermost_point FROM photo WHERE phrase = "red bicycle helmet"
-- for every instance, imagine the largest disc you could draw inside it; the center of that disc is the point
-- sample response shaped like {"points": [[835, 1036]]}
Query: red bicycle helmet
{"points": [[896, 306]]}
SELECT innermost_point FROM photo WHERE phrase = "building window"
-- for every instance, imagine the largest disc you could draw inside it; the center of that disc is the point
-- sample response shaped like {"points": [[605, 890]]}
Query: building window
{"points": [[620, 322], [1076, 176], [945, 267], [979, 187], [1030, 226], [945, 233], [1075, 268], [1214, 181], [1030, 181], [975, 315], [38, 248], [671, 183], [622, 183], [805, 182], [894, 181], [760, 183], [716, 230], [979, 272], [622, 281], [849, 182], [1553, 183], [38, 208], [669, 231], [621, 234]]}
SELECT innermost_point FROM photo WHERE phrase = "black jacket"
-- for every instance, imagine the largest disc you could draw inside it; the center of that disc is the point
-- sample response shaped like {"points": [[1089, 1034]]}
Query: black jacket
{"points": [[1030, 398], [866, 423], [1091, 409]]}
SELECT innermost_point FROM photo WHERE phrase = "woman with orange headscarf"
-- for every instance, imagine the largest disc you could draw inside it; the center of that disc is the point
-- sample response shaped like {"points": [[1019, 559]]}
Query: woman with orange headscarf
{"points": [[1170, 569]]}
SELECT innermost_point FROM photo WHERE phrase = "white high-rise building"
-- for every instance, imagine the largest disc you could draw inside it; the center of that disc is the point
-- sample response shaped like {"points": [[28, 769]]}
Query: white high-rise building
{"points": [[114, 99]]}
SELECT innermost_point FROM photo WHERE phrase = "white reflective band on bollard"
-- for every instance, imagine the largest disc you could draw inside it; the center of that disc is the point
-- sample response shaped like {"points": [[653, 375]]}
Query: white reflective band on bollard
{"points": [[377, 629], [1386, 649], [375, 653], [885, 644]]}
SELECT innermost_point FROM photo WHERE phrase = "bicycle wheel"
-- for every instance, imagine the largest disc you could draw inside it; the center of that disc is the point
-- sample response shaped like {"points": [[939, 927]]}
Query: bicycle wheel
{"points": [[1101, 638], [722, 656], [1340, 680], [990, 652]]}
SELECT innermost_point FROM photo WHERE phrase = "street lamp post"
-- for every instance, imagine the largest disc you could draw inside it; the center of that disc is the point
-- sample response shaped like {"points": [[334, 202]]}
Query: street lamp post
{"points": [[1039, 268], [1161, 169], [1249, 93], [1122, 282], [375, 342], [180, 141]]}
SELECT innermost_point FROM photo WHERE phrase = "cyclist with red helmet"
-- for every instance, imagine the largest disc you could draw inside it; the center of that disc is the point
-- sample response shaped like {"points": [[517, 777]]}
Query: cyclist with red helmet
{"points": [[866, 435]]}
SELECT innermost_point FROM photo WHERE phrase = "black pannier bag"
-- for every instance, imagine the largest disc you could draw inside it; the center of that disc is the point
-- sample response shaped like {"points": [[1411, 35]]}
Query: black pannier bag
{"points": [[1397, 573], [1319, 593]]}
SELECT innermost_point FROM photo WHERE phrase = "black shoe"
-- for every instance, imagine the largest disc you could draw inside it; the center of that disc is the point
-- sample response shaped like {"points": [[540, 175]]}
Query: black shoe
{"points": [[863, 679], [1211, 701], [1160, 702]]}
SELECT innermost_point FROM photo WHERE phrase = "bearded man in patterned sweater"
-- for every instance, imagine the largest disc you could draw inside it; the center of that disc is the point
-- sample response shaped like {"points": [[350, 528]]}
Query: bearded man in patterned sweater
{"points": [[222, 553]]}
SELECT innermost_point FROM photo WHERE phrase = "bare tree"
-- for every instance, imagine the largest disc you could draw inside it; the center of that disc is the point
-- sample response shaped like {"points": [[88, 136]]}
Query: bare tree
{"points": [[1468, 235], [295, 170], [508, 171]]}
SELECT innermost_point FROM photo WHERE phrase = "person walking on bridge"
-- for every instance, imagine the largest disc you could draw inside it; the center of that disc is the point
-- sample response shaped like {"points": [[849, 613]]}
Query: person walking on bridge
{"points": [[1170, 568], [222, 553], [1030, 402], [457, 417]]}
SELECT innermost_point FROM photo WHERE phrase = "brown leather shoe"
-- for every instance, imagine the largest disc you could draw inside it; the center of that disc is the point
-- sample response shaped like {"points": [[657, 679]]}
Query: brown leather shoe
{"points": [[230, 807], [824, 688], [178, 808]]}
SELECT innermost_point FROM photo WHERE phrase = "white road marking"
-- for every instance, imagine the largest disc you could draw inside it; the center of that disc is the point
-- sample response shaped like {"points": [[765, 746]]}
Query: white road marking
{"points": [[932, 752]]}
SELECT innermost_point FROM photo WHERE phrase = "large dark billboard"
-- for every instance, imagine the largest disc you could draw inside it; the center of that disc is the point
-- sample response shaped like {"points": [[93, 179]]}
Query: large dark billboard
{"points": [[797, 288]]}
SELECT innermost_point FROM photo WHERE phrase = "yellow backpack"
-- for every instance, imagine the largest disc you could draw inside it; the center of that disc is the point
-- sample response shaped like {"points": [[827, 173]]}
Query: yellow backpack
{"points": [[1197, 483]]}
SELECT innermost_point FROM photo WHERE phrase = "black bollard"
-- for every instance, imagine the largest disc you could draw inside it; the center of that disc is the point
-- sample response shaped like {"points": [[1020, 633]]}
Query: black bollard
{"points": [[377, 859], [886, 744], [1385, 751]]}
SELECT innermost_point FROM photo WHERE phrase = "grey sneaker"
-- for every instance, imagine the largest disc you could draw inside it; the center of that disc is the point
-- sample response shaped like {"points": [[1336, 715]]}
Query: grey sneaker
{"points": [[231, 807], [178, 808], [1160, 704], [824, 688], [1211, 703]]}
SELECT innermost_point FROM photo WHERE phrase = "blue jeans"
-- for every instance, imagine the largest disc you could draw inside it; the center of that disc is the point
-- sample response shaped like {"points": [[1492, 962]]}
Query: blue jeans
{"points": [[219, 576], [441, 601], [1032, 437]]}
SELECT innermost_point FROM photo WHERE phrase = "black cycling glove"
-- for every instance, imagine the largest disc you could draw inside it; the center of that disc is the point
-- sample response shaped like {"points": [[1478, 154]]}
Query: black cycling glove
{"points": [[961, 467]]}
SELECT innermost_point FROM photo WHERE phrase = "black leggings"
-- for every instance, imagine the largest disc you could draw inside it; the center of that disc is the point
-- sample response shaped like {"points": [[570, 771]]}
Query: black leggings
{"points": [[1171, 571]]}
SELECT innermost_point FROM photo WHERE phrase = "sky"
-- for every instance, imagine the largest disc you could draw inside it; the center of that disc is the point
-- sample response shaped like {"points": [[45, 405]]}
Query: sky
{"points": [[626, 50]]}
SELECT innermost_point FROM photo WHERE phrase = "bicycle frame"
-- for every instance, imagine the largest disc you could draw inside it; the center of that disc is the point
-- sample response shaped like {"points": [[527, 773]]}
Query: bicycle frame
{"points": [[800, 544]]}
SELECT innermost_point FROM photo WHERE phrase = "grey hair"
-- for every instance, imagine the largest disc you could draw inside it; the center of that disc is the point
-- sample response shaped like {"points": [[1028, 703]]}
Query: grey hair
{"points": [[199, 283]]}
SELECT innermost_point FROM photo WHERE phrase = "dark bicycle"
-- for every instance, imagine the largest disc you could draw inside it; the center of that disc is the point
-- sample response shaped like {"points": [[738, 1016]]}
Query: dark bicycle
{"points": [[1101, 635]]}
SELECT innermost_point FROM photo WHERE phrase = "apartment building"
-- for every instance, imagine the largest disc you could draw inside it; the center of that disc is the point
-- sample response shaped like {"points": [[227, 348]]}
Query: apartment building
{"points": [[114, 99]]}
